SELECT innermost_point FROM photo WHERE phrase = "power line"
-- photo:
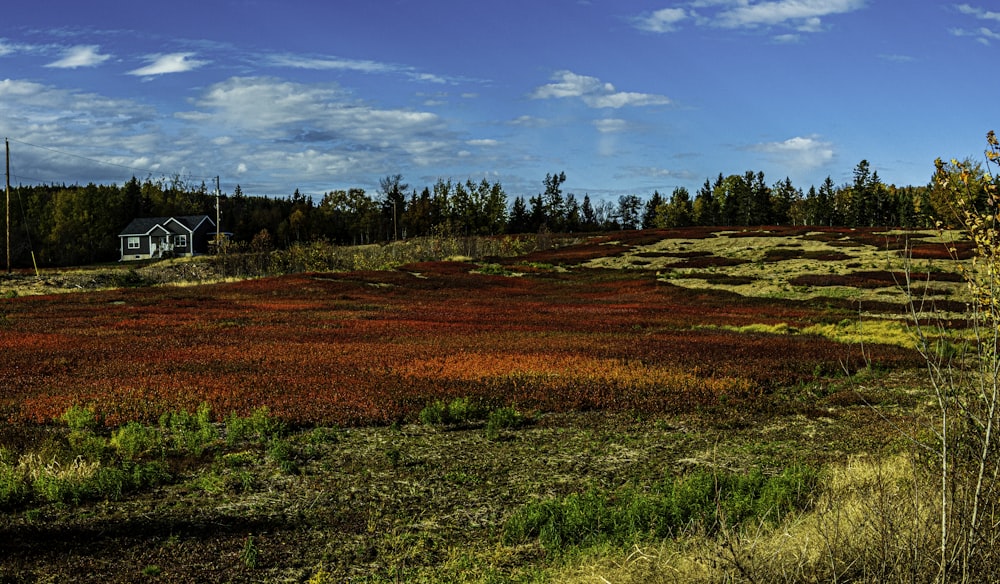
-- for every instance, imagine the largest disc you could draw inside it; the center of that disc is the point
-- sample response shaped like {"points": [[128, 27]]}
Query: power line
{"points": [[96, 161]]}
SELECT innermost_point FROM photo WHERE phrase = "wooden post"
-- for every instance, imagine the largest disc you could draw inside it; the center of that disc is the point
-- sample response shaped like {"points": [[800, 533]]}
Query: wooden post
{"points": [[7, 223]]}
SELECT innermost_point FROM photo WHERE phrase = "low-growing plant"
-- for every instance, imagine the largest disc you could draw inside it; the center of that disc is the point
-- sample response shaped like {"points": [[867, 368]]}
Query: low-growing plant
{"points": [[282, 453], [394, 456], [505, 418], [14, 487], [135, 440], [461, 410], [54, 482], [259, 425], [79, 418], [703, 501], [250, 555], [435, 413], [191, 433]]}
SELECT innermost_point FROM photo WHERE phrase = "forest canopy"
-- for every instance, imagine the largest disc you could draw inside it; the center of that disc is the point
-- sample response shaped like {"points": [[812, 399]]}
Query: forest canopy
{"points": [[79, 224]]}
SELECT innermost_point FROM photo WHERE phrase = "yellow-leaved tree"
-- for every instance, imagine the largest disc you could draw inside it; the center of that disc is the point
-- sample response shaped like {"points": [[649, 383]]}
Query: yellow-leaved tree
{"points": [[966, 384]]}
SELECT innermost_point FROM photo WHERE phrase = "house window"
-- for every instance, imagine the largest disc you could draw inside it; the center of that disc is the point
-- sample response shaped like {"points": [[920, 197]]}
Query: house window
{"points": [[133, 243], [181, 241]]}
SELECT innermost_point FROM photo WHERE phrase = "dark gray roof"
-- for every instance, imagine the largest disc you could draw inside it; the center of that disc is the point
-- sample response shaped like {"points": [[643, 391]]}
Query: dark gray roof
{"points": [[144, 225]]}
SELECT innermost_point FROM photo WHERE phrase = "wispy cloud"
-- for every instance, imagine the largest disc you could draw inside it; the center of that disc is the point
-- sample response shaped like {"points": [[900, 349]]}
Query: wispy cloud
{"points": [[529, 122], [166, 64], [800, 152], [594, 92], [80, 56], [980, 13], [982, 34], [611, 126], [893, 58], [331, 63], [802, 16], [270, 133], [663, 20], [322, 130]]}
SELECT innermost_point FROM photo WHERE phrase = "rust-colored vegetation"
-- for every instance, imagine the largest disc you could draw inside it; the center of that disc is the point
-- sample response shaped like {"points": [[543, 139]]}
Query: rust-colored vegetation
{"points": [[375, 347]]}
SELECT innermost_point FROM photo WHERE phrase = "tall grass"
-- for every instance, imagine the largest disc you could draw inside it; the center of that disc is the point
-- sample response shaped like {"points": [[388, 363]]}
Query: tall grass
{"points": [[704, 501], [872, 520]]}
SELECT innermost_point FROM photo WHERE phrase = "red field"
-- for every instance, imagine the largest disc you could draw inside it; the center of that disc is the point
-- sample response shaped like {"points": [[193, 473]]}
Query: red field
{"points": [[375, 347]]}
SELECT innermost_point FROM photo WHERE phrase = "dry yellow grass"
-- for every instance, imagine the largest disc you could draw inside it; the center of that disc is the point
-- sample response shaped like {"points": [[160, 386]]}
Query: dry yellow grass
{"points": [[872, 514]]}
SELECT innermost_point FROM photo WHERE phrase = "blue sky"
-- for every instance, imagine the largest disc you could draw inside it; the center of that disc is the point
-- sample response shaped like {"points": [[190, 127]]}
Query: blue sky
{"points": [[625, 97]]}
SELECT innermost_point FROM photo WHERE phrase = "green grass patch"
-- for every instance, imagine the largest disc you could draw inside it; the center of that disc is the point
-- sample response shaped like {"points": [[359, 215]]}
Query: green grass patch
{"points": [[704, 501]]}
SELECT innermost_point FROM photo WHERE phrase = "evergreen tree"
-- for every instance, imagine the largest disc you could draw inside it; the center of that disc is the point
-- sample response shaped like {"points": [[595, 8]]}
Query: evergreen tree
{"points": [[519, 221], [588, 215], [705, 210], [650, 210]]}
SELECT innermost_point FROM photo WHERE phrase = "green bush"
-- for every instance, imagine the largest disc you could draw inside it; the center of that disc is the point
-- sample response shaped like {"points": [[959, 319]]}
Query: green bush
{"points": [[134, 440], [14, 487], [79, 418], [283, 454], [259, 425], [461, 410], [191, 433], [506, 418], [435, 413]]}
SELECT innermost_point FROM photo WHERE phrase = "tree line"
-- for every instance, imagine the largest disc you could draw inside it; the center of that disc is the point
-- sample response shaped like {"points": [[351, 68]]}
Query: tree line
{"points": [[73, 225]]}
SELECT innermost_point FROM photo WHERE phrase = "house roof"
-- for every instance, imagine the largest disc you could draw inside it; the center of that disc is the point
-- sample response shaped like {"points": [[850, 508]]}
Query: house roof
{"points": [[145, 225]]}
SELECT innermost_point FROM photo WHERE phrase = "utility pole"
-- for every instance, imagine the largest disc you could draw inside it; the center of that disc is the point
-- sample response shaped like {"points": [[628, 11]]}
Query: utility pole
{"points": [[218, 216], [6, 144]]}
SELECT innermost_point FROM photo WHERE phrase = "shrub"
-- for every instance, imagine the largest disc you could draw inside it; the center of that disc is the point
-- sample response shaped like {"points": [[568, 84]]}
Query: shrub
{"points": [[506, 418], [461, 410], [14, 487], [191, 433], [283, 454], [259, 425], [79, 418], [435, 413], [134, 440]]}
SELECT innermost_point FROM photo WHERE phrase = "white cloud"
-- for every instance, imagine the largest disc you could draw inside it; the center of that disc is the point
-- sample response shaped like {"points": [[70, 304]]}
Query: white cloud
{"points": [[272, 134], [293, 61], [800, 15], [164, 64], [329, 64], [980, 13], [593, 92], [114, 131], [983, 35], [610, 126], [321, 130], [569, 84], [800, 153], [529, 122], [664, 20], [893, 58], [80, 56], [803, 14]]}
